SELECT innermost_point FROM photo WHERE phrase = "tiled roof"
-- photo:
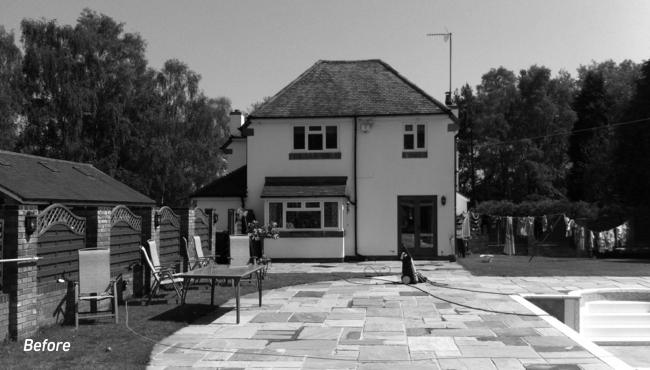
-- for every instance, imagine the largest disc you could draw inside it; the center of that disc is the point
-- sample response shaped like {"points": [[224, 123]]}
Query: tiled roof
{"points": [[301, 187], [33, 179], [350, 88], [231, 185]]}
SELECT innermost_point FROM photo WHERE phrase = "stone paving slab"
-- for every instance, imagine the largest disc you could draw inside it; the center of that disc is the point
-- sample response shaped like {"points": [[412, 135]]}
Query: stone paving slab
{"points": [[375, 324]]}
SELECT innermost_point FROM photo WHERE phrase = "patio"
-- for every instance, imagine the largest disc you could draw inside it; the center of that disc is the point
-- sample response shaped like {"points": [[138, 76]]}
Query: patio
{"points": [[376, 324]]}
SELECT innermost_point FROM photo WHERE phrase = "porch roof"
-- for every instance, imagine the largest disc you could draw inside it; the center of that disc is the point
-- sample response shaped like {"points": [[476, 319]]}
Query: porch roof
{"points": [[304, 187], [231, 185]]}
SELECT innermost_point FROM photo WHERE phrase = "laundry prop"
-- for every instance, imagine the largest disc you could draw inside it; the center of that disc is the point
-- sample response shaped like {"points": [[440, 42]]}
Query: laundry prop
{"points": [[409, 273], [509, 245]]}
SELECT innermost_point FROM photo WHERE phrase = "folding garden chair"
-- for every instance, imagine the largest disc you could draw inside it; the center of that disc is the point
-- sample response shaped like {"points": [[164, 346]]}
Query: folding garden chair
{"points": [[193, 261], [240, 255], [95, 283], [198, 250], [164, 277]]}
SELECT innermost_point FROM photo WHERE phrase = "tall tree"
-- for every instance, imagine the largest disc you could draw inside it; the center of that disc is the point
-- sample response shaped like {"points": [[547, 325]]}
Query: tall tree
{"points": [[513, 119], [185, 138], [80, 81], [619, 81], [542, 111], [11, 97], [465, 145], [589, 145], [633, 154], [497, 97], [92, 98]]}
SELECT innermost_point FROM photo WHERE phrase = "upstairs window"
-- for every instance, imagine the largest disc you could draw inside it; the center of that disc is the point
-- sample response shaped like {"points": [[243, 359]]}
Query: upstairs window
{"points": [[315, 138], [414, 137]]}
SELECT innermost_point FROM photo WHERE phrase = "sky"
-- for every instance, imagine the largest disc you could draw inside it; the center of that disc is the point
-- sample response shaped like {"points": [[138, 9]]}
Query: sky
{"points": [[248, 49]]}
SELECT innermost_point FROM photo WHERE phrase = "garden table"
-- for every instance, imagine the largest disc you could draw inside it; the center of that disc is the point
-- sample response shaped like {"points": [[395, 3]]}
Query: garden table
{"points": [[216, 272]]}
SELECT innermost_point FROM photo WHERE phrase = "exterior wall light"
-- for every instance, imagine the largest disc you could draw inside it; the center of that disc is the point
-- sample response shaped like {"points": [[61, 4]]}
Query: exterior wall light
{"points": [[443, 200], [30, 223], [366, 125], [156, 219]]}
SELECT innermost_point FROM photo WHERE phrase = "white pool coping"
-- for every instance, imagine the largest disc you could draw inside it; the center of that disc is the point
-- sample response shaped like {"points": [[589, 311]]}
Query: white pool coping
{"points": [[581, 292], [594, 349]]}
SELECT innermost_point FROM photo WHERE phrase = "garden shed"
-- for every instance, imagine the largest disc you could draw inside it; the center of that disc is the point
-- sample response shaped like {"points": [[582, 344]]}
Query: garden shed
{"points": [[48, 210]]}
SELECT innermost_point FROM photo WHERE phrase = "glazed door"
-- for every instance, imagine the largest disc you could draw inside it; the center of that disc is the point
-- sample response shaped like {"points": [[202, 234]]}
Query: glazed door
{"points": [[416, 230]]}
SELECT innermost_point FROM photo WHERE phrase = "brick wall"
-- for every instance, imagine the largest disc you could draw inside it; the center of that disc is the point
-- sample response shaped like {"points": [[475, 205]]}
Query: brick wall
{"points": [[23, 312], [4, 316], [103, 227], [98, 226], [55, 303]]}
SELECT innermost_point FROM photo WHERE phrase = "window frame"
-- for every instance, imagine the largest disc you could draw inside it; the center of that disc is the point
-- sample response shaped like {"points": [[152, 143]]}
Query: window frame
{"points": [[323, 134], [414, 134], [303, 207]]}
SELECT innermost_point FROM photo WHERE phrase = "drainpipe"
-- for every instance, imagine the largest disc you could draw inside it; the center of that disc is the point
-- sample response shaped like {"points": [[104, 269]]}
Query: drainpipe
{"points": [[453, 244], [356, 200]]}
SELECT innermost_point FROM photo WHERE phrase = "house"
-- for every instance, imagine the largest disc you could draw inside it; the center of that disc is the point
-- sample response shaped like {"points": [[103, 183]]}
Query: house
{"points": [[351, 160]]}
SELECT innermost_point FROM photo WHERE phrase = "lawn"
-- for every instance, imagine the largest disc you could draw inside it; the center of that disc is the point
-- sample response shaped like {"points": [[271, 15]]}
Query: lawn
{"points": [[104, 345], [503, 265]]}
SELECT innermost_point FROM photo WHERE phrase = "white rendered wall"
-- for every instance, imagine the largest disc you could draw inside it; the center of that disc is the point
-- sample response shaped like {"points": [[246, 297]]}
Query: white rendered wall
{"points": [[238, 156], [220, 207], [383, 175], [305, 248], [268, 155]]}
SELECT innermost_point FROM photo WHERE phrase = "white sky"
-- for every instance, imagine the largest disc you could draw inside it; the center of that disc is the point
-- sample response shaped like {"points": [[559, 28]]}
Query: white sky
{"points": [[248, 49]]}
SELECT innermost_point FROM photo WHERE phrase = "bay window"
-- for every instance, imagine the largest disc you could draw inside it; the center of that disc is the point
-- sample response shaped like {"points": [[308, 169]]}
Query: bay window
{"points": [[305, 215]]}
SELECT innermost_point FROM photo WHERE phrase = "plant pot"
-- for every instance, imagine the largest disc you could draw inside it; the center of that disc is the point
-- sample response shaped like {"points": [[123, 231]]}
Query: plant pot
{"points": [[257, 248]]}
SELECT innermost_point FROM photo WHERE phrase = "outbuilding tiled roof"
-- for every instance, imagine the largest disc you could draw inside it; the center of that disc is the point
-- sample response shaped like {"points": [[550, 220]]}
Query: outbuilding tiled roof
{"points": [[302, 187], [232, 184], [349, 88], [32, 179]]}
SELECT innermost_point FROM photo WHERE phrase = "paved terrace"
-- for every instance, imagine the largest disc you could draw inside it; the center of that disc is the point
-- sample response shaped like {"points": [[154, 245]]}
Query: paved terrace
{"points": [[374, 324]]}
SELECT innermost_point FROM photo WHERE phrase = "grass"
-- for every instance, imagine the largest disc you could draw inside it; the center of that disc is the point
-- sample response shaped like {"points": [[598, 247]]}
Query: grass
{"points": [[104, 345], [503, 265]]}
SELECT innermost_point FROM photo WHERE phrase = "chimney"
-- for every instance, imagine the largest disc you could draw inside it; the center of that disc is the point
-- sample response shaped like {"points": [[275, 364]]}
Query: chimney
{"points": [[236, 120]]}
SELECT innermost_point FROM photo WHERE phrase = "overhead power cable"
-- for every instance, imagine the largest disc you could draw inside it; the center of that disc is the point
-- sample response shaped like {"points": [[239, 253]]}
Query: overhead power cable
{"points": [[567, 133]]}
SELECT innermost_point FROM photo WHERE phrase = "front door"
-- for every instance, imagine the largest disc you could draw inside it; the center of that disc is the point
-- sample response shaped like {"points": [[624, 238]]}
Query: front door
{"points": [[416, 225]]}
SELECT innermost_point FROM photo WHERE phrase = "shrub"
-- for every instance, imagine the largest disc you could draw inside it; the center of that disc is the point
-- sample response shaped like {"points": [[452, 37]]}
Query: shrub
{"points": [[539, 208]]}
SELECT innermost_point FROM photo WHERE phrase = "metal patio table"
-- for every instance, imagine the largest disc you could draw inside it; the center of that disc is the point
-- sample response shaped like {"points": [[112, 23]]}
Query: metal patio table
{"points": [[216, 272]]}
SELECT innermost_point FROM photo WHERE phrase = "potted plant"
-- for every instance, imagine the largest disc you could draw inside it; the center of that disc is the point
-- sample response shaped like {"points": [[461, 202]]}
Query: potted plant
{"points": [[257, 232]]}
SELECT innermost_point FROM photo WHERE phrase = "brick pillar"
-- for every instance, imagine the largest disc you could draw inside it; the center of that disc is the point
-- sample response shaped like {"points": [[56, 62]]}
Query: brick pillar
{"points": [[104, 227], [210, 213], [22, 276], [190, 223], [98, 226], [155, 230]]}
